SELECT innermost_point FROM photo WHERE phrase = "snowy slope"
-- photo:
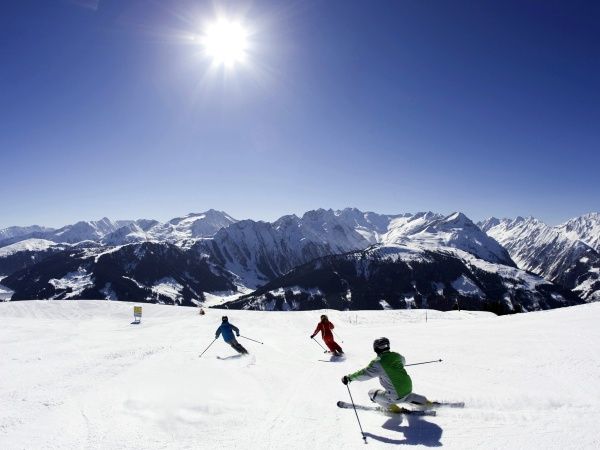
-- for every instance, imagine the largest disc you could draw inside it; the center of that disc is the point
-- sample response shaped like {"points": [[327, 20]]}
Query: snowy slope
{"points": [[194, 225], [369, 225], [28, 245], [549, 252], [456, 231], [86, 230], [408, 225], [257, 252], [586, 228], [128, 234], [78, 375], [15, 232]]}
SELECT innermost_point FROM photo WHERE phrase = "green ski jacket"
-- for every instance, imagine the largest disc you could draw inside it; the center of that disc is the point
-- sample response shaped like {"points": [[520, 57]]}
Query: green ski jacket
{"points": [[389, 367]]}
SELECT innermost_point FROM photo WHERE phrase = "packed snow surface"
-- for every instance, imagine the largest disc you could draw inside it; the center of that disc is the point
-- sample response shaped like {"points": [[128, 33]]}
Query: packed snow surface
{"points": [[77, 374]]}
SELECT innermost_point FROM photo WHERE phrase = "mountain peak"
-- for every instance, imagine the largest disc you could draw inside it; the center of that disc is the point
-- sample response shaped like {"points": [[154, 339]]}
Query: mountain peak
{"points": [[458, 218], [318, 214], [488, 223], [216, 213]]}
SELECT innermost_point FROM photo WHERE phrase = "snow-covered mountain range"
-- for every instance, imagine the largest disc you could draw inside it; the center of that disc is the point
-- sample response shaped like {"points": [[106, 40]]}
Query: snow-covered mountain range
{"points": [[556, 253], [147, 272], [455, 231], [16, 232], [261, 251], [585, 228], [189, 258], [120, 232], [407, 276]]}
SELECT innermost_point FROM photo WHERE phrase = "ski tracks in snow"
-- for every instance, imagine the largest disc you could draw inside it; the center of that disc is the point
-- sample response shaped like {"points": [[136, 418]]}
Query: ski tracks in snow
{"points": [[73, 382], [280, 424]]}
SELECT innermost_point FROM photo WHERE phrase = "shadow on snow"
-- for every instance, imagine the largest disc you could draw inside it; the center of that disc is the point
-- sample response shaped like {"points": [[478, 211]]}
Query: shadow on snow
{"points": [[417, 432]]}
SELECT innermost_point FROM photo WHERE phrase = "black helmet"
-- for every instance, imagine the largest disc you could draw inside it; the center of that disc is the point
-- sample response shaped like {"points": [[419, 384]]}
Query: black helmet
{"points": [[381, 345], [224, 319], [324, 317]]}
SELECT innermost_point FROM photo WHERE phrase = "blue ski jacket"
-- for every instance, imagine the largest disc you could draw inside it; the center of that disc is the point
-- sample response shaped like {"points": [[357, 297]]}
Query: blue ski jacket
{"points": [[226, 329]]}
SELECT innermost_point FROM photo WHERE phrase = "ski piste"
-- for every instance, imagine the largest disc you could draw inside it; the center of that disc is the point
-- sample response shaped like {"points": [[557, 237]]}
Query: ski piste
{"points": [[346, 405]]}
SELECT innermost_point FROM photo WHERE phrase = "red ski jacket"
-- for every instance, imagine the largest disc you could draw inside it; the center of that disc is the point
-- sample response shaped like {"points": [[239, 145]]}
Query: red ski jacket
{"points": [[325, 329]]}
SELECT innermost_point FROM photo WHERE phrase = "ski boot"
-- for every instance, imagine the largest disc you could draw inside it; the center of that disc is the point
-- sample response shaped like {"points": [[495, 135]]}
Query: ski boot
{"points": [[395, 409]]}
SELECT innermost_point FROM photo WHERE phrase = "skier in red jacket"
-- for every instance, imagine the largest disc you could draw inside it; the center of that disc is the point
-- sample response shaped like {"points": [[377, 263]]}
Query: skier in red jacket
{"points": [[325, 327]]}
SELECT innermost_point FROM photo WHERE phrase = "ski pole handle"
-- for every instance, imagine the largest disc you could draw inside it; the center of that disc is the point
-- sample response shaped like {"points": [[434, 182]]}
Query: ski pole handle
{"points": [[425, 362], [253, 340]]}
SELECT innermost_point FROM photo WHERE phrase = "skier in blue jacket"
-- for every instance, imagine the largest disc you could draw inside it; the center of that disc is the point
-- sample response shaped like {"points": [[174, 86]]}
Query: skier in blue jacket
{"points": [[226, 329]]}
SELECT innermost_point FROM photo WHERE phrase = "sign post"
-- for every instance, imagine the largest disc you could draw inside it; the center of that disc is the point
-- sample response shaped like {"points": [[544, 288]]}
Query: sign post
{"points": [[137, 314]]}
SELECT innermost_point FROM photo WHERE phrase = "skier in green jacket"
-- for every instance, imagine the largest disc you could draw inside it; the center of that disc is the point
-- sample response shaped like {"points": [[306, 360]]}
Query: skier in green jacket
{"points": [[389, 367]]}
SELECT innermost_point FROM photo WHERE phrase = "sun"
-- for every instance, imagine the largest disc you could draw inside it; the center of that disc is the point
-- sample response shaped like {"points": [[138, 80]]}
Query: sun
{"points": [[226, 42]]}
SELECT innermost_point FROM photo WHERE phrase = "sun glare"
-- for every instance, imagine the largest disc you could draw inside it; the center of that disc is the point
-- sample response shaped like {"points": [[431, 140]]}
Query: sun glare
{"points": [[226, 42]]}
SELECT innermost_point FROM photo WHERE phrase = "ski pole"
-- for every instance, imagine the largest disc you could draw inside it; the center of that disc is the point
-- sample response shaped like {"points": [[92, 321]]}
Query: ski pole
{"points": [[355, 412], [336, 335], [426, 362], [325, 351], [207, 348], [253, 340]]}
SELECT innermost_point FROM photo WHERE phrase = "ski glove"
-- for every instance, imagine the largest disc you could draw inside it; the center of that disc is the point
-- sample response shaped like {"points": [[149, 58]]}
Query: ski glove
{"points": [[312, 336], [345, 379], [238, 334]]}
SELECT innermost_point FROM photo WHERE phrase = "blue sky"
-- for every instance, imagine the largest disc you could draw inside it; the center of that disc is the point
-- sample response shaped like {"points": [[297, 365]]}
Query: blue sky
{"points": [[109, 109]]}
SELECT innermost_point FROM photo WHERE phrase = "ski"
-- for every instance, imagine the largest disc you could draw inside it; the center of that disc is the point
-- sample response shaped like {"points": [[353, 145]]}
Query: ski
{"points": [[224, 358], [333, 359], [346, 405], [447, 405]]}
